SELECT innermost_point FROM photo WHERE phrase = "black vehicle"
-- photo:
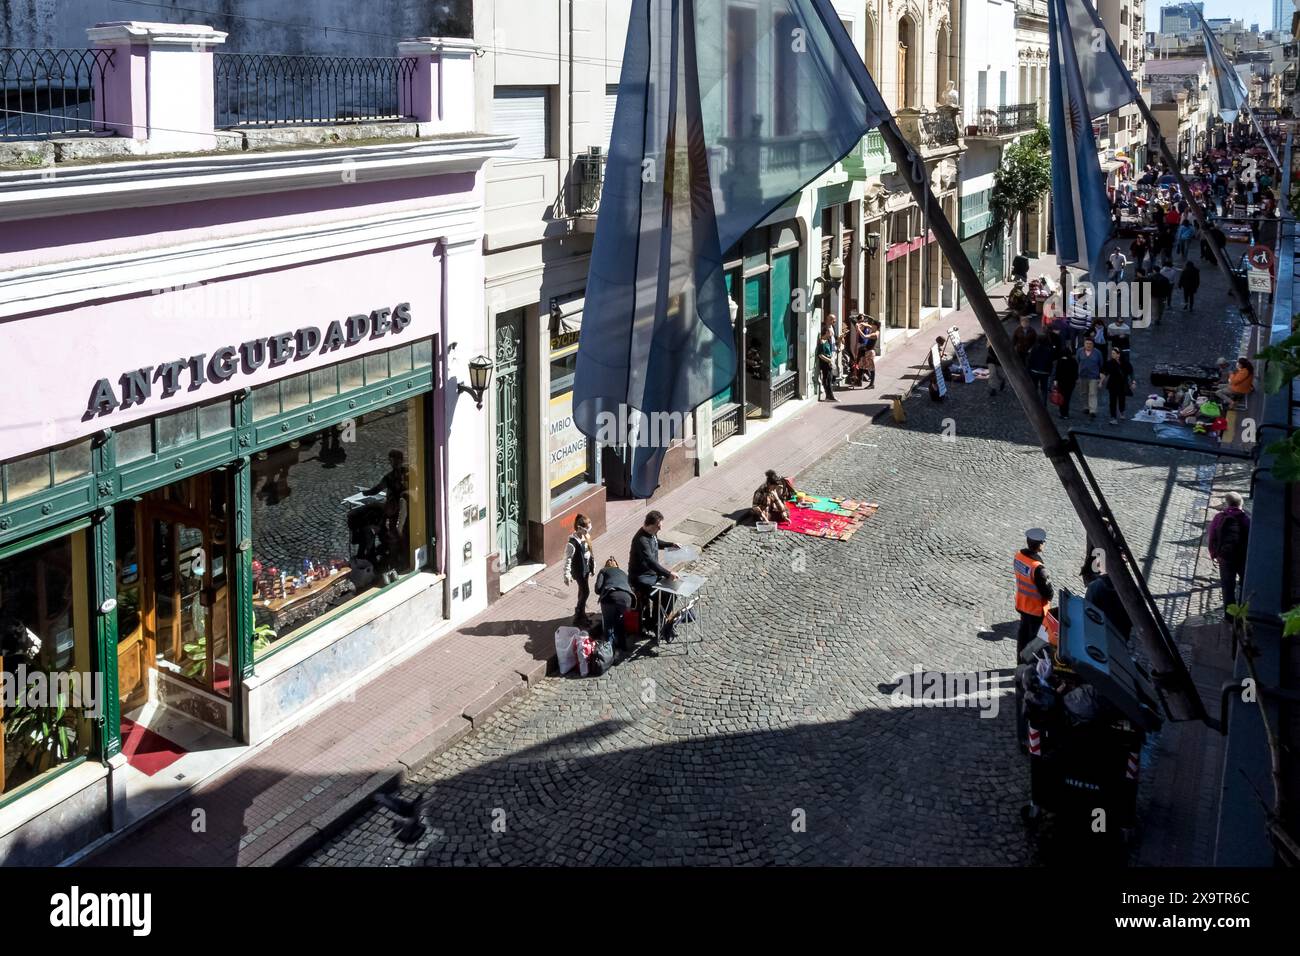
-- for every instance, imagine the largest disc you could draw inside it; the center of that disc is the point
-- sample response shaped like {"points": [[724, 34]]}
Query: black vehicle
{"points": [[1087, 708]]}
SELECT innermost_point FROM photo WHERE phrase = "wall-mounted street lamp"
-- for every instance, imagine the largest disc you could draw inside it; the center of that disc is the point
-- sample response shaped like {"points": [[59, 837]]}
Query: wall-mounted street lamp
{"points": [[873, 243], [834, 271], [480, 374]]}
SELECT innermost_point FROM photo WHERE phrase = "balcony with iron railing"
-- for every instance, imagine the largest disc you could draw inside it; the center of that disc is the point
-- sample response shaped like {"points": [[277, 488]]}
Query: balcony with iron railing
{"points": [[264, 90], [934, 131], [1004, 122], [47, 93], [871, 158], [583, 191]]}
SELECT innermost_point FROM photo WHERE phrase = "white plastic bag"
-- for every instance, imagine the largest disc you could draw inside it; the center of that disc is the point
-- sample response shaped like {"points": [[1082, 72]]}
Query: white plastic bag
{"points": [[566, 654]]}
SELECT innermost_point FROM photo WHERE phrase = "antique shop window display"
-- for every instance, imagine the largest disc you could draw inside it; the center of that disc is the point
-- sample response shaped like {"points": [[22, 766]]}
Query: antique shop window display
{"points": [[336, 513], [51, 689]]}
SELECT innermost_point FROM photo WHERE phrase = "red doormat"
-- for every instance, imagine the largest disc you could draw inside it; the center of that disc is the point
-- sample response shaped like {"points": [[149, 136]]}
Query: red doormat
{"points": [[146, 751], [828, 517]]}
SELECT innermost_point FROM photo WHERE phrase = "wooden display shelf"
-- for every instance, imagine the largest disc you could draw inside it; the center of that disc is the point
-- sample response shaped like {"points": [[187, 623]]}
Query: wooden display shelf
{"points": [[277, 605]]}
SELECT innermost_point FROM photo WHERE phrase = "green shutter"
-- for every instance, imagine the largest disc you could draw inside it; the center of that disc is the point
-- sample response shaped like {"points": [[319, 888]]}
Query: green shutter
{"points": [[783, 315], [724, 397]]}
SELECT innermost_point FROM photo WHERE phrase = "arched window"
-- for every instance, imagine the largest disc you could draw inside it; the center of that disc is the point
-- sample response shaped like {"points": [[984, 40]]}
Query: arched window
{"points": [[945, 60], [908, 54], [869, 47]]}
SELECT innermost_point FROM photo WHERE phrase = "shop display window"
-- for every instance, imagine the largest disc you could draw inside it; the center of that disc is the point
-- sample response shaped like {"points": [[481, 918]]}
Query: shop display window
{"points": [[50, 689], [336, 514]]}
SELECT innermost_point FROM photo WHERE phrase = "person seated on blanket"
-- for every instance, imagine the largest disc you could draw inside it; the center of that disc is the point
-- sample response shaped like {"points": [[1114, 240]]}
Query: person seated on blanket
{"points": [[767, 504], [786, 491]]}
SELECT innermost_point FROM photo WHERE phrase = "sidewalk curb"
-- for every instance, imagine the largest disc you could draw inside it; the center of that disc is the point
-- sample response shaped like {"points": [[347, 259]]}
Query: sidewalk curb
{"points": [[311, 836]]}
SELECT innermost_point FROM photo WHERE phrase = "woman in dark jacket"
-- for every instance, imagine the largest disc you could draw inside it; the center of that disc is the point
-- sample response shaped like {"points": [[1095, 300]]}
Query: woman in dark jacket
{"points": [[1067, 376], [1189, 282], [616, 599], [1040, 361], [1118, 381]]}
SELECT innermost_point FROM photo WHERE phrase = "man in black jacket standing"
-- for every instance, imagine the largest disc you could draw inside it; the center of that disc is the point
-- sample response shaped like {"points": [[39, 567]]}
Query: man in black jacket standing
{"points": [[643, 565]]}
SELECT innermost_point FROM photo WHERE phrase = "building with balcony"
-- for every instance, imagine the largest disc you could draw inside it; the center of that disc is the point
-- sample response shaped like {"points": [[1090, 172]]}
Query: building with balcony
{"points": [[1004, 57], [1177, 90], [238, 475]]}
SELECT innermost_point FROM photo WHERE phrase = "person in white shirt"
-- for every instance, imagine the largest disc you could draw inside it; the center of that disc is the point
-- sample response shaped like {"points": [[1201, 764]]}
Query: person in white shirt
{"points": [[1117, 265], [1118, 333]]}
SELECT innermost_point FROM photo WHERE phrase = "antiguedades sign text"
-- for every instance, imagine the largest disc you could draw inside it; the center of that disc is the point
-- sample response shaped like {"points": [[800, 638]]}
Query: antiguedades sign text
{"points": [[136, 386]]}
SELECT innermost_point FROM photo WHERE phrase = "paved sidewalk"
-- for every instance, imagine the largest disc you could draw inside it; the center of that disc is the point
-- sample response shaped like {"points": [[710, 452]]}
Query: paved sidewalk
{"points": [[279, 802]]}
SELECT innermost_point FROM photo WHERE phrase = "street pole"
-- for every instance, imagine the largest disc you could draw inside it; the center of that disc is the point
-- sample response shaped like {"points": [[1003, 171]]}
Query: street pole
{"points": [[1168, 669], [1221, 257]]}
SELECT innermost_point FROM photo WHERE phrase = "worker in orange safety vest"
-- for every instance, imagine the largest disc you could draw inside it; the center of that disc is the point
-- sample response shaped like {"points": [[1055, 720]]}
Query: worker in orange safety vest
{"points": [[1034, 589]]}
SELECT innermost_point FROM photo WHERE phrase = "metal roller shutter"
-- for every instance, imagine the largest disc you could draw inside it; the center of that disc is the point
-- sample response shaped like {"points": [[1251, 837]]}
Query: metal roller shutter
{"points": [[523, 111]]}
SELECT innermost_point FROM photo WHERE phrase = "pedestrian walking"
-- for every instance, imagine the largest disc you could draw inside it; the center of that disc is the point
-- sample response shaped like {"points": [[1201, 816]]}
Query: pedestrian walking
{"points": [[1089, 359], [1118, 381], [826, 364], [1040, 361], [1117, 265], [1067, 376], [1161, 292], [997, 377], [1034, 590], [1138, 250], [1023, 338], [1119, 334], [1189, 282], [1228, 538], [579, 566]]}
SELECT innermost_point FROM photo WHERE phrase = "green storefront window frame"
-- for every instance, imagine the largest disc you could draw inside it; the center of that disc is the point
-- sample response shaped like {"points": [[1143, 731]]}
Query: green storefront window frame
{"points": [[98, 745], [70, 507], [422, 394]]}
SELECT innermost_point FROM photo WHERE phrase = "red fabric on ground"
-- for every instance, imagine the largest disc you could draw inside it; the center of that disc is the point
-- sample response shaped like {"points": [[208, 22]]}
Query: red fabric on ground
{"points": [[146, 751]]}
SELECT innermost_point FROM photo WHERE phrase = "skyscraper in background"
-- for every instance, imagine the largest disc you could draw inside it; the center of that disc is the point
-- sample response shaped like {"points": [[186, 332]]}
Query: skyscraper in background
{"points": [[1176, 19], [1281, 15]]}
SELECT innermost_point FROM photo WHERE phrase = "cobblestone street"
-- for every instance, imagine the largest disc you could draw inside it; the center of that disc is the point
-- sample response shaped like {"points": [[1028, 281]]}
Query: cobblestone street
{"points": [[773, 739]]}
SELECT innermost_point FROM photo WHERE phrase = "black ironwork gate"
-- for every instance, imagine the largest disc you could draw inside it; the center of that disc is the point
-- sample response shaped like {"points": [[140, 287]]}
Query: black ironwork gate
{"points": [[512, 506]]}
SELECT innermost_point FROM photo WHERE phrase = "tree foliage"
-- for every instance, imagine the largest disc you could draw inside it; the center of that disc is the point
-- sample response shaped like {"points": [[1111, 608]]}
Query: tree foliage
{"points": [[1024, 177]]}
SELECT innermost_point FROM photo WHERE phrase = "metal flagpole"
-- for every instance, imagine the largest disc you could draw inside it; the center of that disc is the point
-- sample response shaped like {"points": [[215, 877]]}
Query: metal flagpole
{"points": [[1221, 257], [1168, 669]]}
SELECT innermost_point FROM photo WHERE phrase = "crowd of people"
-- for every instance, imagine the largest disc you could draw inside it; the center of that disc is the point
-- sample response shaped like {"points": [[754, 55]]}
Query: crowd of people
{"points": [[1074, 348], [846, 355]]}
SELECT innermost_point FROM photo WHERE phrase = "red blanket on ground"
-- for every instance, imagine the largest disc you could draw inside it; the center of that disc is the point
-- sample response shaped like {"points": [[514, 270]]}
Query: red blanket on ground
{"points": [[838, 524]]}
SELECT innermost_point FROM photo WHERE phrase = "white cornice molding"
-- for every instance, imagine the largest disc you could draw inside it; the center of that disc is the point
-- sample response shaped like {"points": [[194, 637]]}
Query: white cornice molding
{"points": [[453, 46], [67, 284], [95, 187], [115, 32]]}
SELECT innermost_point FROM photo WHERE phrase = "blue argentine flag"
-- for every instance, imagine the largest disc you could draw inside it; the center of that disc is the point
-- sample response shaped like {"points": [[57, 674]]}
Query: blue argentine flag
{"points": [[1081, 208], [726, 109], [1230, 95]]}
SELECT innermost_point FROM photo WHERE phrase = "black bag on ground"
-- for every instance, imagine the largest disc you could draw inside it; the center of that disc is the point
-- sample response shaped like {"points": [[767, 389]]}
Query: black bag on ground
{"points": [[602, 658]]}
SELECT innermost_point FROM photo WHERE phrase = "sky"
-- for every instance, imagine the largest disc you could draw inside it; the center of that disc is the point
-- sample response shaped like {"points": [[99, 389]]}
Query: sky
{"points": [[1251, 11]]}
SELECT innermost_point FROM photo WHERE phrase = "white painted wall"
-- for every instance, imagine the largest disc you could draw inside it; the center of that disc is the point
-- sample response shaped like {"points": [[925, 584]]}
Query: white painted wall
{"points": [[988, 39]]}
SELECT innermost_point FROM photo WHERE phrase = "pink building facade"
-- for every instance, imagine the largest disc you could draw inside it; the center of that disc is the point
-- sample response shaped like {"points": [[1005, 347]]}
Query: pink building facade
{"points": [[238, 470]]}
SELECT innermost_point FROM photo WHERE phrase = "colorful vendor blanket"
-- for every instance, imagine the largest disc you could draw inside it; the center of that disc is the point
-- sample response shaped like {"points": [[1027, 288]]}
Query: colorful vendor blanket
{"points": [[822, 517]]}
